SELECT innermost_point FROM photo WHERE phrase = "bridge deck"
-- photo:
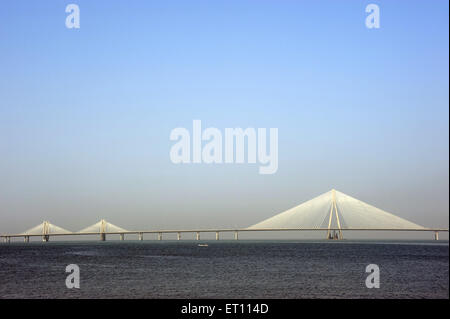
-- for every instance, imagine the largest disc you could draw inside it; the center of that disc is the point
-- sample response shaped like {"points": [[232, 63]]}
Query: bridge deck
{"points": [[224, 230]]}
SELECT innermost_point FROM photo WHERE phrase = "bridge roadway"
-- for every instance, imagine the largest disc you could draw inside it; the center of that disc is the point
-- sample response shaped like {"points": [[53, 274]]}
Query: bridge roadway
{"points": [[140, 233]]}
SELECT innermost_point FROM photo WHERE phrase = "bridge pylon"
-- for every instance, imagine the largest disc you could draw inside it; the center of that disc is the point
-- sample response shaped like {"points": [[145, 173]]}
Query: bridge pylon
{"points": [[102, 230], [45, 231], [334, 211], [102, 227]]}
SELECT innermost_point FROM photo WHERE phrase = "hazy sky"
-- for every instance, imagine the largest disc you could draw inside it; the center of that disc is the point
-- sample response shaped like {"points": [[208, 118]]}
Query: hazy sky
{"points": [[85, 115]]}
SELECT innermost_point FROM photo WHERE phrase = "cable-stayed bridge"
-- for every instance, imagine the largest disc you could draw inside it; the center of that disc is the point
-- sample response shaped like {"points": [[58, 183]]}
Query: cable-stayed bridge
{"points": [[332, 212]]}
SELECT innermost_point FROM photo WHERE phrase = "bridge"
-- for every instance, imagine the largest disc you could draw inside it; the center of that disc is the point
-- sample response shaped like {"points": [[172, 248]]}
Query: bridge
{"points": [[332, 212]]}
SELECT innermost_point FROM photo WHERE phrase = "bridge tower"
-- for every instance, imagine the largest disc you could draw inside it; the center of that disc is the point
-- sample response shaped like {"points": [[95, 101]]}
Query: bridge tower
{"points": [[102, 230], [334, 211], [45, 231], [436, 235]]}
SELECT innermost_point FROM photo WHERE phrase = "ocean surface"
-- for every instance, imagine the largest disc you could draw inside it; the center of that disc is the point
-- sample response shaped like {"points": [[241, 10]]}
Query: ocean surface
{"points": [[225, 269]]}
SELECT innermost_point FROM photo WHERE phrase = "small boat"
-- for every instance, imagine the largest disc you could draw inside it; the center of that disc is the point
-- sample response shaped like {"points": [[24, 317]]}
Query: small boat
{"points": [[202, 245]]}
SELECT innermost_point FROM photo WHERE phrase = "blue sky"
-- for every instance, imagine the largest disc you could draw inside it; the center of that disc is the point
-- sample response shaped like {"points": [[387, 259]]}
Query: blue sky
{"points": [[85, 115]]}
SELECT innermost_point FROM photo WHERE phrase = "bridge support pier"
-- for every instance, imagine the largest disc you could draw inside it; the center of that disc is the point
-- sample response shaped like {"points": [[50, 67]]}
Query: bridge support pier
{"points": [[178, 236], [102, 236], [197, 236], [7, 240], [122, 236], [26, 239], [436, 235], [159, 236], [45, 238], [335, 235], [141, 236], [236, 235], [217, 235]]}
